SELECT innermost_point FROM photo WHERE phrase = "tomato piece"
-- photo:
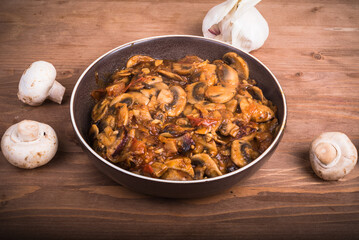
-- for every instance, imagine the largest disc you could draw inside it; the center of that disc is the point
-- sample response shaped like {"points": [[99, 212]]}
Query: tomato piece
{"points": [[147, 169], [202, 121]]}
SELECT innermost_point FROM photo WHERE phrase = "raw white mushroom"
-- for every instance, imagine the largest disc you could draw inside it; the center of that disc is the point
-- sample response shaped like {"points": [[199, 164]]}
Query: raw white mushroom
{"points": [[333, 155], [29, 144], [237, 22], [38, 83]]}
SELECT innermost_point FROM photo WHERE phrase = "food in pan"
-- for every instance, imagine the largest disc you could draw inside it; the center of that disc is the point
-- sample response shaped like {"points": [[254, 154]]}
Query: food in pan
{"points": [[185, 119]]}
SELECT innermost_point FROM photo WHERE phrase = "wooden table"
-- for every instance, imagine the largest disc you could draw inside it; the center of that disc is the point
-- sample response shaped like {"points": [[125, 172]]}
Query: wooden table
{"points": [[313, 49]]}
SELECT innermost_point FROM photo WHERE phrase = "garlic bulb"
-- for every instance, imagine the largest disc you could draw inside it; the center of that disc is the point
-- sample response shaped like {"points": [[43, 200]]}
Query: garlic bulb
{"points": [[333, 155], [237, 22]]}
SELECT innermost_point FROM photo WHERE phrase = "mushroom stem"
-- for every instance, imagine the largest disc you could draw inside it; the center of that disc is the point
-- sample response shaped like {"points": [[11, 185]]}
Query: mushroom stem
{"points": [[56, 92], [27, 131], [325, 152]]}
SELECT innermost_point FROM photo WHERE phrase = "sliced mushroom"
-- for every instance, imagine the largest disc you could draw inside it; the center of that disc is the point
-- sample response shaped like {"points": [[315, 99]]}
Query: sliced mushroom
{"points": [[125, 98], [208, 74], [228, 76], [242, 153], [158, 169], [181, 164], [150, 80], [208, 106], [195, 92], [150, 92], [219, 94], [180, 144], [165, 97], [122, 116], [99, 110], [176, 175], [201, 145], [133, 61], [232, 105], [257, 93], [106, 138], [228, 128], [93, 132], [171, 75], [160, 86], [130, 98], [139, 98], [121, 73], [152, 104], [173, 130], [182, 68], [190, 59], [178, 103], [109, 120], [203, 159], [238, 64]]}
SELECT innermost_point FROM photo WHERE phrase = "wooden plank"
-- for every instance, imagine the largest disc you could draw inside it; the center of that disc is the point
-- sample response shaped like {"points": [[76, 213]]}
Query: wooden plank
{"points": [[312, 49]]}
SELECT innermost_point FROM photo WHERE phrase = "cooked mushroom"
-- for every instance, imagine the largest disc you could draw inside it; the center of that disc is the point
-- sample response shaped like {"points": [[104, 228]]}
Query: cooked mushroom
{"points": [[228, 128], [38, 83], [228, 76], [149, 92], [178, 110], [219, 94], [176, 175], [142, 113], [150, 80], [180, 144], [173, 130], [181, 164], [242, 153], [238, 64], [122, 116], [255, 110], [178, 103], [158, 169], [203, 159], [100, 110], [171, 75], [332, 155], [183, 68], [130, 98], [133, 61], [232, 105], [195, 92], [202, 146], [29, 144], [93, 132], [257, 93], [208, 74], [165, 97]]}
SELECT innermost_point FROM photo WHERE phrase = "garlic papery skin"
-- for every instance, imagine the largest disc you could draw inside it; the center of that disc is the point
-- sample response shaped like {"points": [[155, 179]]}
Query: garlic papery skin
{"points": [[332, 155], [237, 22]]}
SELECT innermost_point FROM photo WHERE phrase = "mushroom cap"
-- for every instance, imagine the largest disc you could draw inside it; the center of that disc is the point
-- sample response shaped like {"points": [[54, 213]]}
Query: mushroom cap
{"points": [[29, 144], [36, 82], [333, 155]]}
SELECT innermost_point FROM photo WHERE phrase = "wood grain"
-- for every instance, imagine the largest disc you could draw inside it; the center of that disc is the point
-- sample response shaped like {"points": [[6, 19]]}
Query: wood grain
{"points": [[313, 50]]}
